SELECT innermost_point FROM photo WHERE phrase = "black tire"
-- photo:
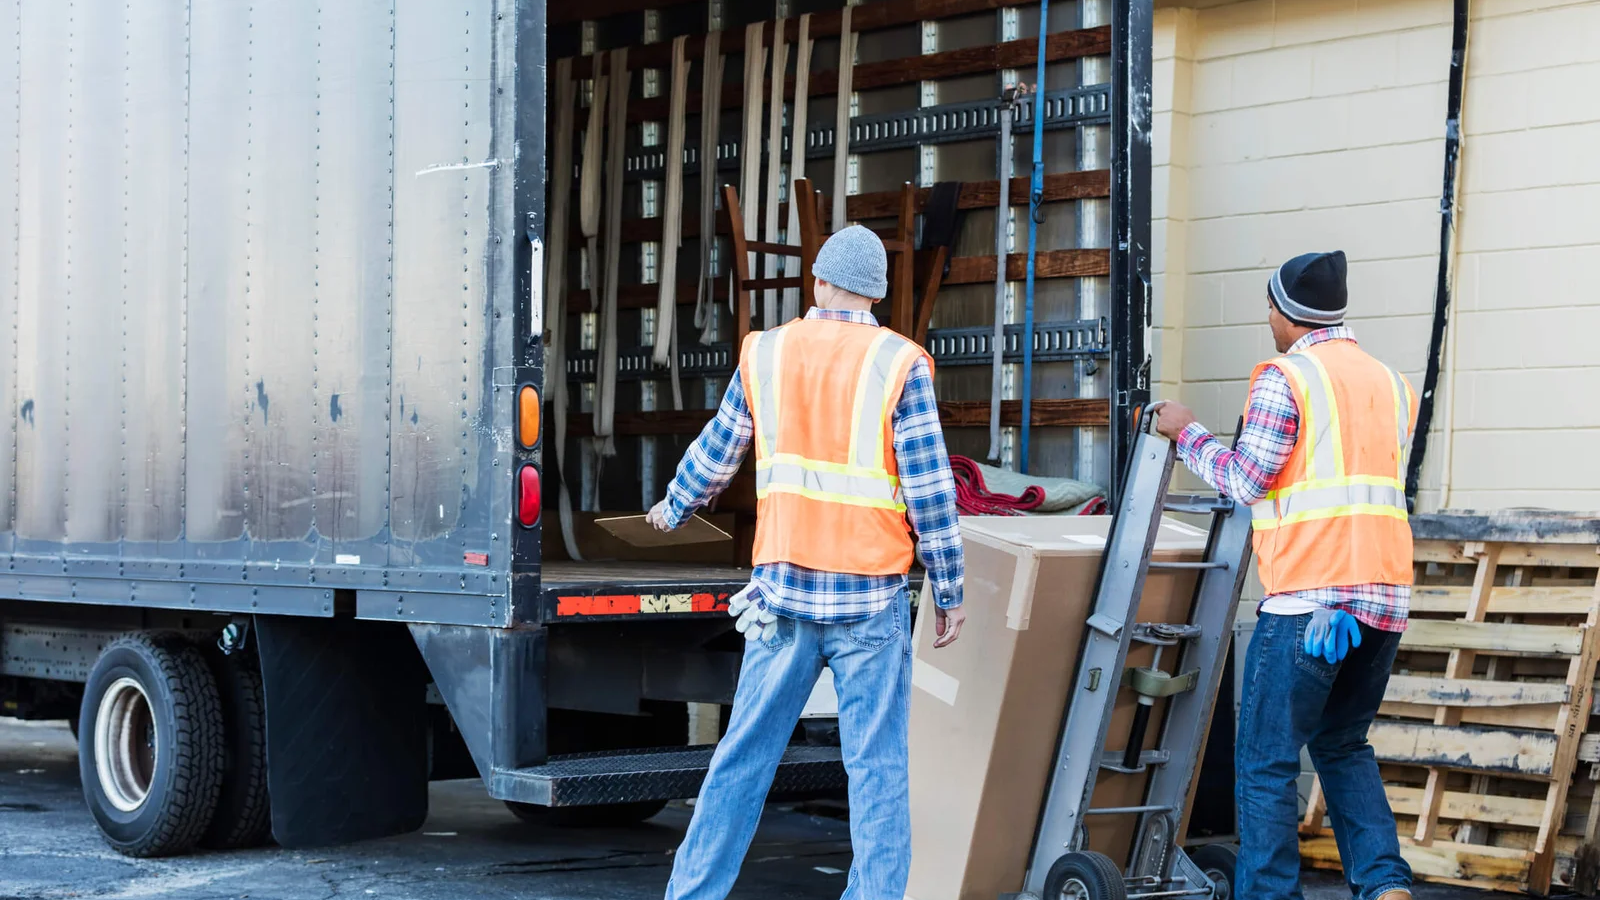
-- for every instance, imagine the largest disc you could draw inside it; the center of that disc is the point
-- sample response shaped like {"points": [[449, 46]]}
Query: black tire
{"points": [[182, 770], [1218, 861], [1086, 875], [244, 814], [611, 815]]}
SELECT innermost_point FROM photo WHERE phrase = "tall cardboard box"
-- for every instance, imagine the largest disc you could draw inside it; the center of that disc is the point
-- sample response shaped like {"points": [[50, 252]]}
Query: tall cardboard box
{"points": [[986, 711]]}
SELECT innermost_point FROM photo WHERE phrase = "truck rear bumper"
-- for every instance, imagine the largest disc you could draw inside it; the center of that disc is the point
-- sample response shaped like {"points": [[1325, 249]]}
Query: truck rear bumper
{"points": [[609, 591]]}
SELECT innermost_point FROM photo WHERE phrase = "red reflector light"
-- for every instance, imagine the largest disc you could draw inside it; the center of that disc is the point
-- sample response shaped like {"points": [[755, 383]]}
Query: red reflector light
{"points": [[528, 496]]}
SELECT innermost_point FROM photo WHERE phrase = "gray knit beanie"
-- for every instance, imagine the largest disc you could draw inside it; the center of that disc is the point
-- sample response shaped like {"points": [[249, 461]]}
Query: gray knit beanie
{"points": [[854, 260], [1310, 289]]}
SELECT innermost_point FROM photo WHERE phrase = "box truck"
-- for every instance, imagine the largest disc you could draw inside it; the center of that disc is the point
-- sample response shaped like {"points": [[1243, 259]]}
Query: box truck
{"points": [[275, 461]]}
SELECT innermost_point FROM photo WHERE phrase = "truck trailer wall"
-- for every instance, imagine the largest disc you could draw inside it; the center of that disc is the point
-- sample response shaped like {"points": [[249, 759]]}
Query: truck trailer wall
{"points": [[257, 272]]}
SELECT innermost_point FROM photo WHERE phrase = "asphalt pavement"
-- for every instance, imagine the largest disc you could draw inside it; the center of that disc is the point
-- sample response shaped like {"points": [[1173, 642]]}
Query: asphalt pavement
{"points": [[470, 848]]}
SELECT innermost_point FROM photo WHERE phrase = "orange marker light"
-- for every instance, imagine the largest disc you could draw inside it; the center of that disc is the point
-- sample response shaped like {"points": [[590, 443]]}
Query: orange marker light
{"points": [[528, 416]]}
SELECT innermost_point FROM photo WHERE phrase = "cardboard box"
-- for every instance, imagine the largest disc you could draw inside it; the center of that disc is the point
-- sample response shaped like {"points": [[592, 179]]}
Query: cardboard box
{"points": [[986, 711]]}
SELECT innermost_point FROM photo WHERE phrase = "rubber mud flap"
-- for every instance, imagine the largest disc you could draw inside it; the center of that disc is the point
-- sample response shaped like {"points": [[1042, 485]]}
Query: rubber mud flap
{"points": [[347, 752]]}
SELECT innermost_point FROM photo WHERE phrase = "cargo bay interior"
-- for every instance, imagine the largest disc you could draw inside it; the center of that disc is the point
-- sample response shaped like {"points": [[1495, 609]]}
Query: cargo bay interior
{"points": [[922, 98]]}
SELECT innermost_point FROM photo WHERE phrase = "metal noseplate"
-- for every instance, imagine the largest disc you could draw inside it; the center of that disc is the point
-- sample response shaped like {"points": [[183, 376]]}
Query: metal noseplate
{"points": [[627, 776]]}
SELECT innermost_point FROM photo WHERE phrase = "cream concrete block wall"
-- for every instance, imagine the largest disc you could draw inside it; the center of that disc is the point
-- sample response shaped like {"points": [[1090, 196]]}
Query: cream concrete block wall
{"points": [[1173, 76], [1526, 364], [1318, 124], [1315, 125]]}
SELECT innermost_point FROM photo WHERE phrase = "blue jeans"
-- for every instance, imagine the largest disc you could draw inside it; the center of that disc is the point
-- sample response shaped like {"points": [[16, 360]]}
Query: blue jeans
{"points": [[1293, 699], [871, 663]]}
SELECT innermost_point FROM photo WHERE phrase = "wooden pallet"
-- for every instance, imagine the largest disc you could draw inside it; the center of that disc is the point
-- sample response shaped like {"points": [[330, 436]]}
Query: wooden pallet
{"points": [[1479, 734]]}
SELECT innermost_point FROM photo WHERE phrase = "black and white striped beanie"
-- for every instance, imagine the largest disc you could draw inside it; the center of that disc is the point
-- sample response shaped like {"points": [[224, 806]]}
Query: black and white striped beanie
{"points": [[1310, 289]]}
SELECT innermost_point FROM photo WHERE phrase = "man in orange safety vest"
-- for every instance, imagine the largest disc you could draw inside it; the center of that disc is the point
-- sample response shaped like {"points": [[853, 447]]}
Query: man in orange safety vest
{"points": [[851, 477], [1321, 462]]}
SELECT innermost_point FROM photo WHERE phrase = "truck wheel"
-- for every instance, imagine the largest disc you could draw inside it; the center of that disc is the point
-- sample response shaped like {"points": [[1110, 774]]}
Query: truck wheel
{"points": [[1084, 875], [611, 815], [151, 751], [1218, 861], [244, 814]]}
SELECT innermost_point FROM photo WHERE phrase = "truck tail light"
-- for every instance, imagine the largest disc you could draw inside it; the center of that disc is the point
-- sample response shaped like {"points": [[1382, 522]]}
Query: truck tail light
{"points": [[528, 416], [528, 496]]}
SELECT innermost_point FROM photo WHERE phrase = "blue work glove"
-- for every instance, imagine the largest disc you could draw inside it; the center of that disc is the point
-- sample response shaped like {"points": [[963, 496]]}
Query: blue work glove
{"points": [[1331, 633]]}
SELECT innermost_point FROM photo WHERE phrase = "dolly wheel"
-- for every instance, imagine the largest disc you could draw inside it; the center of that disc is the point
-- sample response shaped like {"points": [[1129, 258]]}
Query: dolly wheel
{"points": [[1084, 875], [1218, 861]]}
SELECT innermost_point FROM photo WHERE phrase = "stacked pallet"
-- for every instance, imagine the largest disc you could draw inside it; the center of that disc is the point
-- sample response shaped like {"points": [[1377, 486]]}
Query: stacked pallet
{"points": [[1480, 732]]}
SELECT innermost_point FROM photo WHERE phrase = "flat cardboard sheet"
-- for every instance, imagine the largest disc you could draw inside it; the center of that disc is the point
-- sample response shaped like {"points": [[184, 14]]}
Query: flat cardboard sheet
{"points": [[636, 531]]}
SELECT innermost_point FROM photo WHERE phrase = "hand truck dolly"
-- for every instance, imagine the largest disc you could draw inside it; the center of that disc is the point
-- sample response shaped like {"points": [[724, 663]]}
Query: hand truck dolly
{"points": [[1061, 866]]}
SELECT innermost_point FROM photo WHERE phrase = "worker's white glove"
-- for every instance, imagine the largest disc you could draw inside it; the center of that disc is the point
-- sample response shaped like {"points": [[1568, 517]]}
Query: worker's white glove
{"points": [[754, 621], [740, 601]]}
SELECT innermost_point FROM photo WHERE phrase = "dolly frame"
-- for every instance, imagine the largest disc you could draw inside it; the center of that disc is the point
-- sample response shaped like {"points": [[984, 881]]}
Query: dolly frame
{"points": [[1159, 867]]}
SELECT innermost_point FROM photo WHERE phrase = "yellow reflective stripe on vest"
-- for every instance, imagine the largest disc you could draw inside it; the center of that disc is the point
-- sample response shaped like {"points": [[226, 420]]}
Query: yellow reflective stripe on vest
{"points": [[1311, 500], [830, 482], [1318, 414], [1332, 438], [1402, 406], [882, 363], [824, 466], [866, 443], [762, 391]]}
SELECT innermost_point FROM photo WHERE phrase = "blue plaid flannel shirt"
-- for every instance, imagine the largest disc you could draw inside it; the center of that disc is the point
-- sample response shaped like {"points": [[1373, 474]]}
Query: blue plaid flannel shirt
{"points": [[926, 484]]}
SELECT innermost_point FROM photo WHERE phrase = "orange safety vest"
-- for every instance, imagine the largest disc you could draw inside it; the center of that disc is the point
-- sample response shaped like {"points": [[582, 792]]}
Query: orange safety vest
{"points": [[1336, 514], [821, 393]]}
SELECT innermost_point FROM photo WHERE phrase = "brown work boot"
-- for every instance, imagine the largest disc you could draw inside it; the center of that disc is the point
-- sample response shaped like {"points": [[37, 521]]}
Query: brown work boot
{"points": [[1396, 894]]}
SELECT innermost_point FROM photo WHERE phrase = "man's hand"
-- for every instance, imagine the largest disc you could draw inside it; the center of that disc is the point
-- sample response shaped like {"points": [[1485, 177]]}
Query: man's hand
{"points": [[1172, 418], [947, 625], [657, 516]]}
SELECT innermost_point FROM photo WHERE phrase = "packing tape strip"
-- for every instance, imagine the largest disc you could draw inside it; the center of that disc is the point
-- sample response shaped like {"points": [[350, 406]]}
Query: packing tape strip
{"points": [[935, 681]]}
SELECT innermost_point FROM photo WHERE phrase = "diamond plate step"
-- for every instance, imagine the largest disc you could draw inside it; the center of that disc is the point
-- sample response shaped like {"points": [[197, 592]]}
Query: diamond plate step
{"points": [[668, 773]]}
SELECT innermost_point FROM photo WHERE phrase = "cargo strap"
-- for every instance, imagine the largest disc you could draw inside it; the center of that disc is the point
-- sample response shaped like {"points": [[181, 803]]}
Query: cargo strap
{"points": [[557, 227], [1035, 216], [773, 160], [1002, 244], [797, 161], [666, 345], [605, 401], [755, 64], [705, 304], [591, 174], [841, 119]]}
